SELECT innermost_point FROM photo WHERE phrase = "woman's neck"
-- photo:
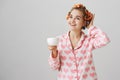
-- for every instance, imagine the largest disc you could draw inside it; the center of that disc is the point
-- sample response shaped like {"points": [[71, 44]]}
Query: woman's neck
{"points": [[75, 34], [74, 38]]}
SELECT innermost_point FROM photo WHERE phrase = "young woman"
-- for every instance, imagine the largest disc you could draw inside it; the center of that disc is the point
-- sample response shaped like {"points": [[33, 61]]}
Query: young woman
{"points": [[72, 57]]}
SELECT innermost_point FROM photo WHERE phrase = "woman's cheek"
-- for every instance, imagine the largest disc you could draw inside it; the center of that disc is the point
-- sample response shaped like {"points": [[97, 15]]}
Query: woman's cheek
{"points": [[68, 21]]}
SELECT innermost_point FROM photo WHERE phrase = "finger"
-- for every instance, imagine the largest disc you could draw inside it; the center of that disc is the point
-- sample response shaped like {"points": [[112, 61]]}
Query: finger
{"points": [[52, 47]]}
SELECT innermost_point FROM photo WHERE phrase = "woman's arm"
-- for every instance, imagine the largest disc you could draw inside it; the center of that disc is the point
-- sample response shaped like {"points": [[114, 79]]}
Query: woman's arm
{"points": [[53, 60], [98, 38]]}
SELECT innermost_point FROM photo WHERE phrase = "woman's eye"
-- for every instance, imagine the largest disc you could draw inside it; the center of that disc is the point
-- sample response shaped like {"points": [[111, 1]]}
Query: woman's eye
{"points": [[70, 16], [78, 18]]}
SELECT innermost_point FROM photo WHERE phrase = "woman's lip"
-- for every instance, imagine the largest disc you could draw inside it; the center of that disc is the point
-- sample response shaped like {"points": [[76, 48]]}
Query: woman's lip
{"points": [[72, 25]]}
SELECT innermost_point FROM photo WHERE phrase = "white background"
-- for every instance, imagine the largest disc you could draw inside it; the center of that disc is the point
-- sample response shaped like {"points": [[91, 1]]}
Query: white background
{"points": [[25, 25]]}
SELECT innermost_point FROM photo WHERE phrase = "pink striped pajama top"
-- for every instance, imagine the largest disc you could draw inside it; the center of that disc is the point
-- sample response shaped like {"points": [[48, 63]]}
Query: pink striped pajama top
{"points": [[77, 63]]}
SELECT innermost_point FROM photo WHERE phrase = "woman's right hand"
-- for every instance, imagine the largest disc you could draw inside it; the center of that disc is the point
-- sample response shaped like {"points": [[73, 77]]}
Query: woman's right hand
{"points": [[54, 50]]}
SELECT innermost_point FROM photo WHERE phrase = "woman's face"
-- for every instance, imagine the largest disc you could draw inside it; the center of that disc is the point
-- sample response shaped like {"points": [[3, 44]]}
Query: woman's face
{"points": [[75, 20]]}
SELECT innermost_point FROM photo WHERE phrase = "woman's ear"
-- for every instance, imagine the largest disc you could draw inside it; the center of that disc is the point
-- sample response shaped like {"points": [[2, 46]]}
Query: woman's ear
{"points": [[84, 25]]}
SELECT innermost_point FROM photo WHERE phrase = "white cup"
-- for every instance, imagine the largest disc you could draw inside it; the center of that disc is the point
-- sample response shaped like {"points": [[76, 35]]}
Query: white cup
{"points": [[52, 41]]}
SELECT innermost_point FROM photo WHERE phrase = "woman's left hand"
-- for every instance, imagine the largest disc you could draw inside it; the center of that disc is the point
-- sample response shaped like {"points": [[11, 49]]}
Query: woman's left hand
{"points": [[91, 23]]}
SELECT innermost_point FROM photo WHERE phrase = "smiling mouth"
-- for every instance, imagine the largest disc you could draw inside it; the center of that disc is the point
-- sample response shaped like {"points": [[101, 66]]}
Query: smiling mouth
{"points": [[73, 25]]}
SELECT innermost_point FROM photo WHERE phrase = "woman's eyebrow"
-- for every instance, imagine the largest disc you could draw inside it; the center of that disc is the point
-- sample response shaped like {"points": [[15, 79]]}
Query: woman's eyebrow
{"points": [[76, 16], [79, 16]]}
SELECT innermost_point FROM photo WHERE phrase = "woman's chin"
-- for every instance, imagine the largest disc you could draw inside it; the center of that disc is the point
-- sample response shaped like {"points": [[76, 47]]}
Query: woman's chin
{"points": [[73, 29]]}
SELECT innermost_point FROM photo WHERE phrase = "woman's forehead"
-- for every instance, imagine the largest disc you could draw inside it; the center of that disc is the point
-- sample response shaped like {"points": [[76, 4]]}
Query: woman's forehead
{"points": [[76, 12]]}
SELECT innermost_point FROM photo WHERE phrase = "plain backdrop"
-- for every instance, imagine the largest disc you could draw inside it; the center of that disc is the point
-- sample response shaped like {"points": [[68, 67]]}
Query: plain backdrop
{"points": [[25, 25]]}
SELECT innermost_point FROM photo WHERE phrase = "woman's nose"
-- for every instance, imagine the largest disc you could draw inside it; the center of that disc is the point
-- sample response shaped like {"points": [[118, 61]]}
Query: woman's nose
{"points": [[73, 20]]}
